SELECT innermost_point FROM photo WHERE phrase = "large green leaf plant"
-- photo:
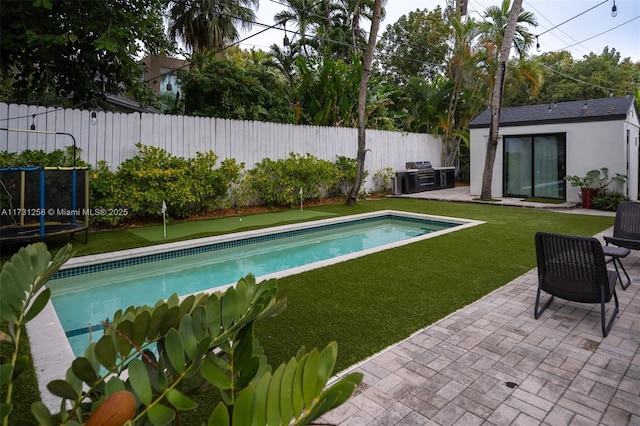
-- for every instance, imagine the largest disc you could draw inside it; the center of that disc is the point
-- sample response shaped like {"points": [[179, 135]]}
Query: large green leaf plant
{"points": [[152, 360]]}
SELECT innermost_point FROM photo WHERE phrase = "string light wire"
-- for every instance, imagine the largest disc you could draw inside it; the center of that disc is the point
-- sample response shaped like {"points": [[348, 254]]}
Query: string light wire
{"points": [[598, 35], [577, 80]]}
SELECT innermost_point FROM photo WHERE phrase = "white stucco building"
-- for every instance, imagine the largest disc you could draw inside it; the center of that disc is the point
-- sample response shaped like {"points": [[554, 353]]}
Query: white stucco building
{"points": [[541, 144]]}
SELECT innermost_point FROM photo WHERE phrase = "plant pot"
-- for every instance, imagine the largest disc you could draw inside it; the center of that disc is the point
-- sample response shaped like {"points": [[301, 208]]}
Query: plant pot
{"points": [[587, 196]]}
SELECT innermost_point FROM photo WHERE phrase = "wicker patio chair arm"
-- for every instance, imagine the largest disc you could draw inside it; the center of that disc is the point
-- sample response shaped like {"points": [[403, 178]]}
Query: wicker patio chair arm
{"points": [[623, 242]]}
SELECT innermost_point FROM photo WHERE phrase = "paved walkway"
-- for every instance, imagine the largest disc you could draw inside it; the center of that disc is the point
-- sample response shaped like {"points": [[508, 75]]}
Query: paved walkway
{"points": [[462, 194], [492, 363]]}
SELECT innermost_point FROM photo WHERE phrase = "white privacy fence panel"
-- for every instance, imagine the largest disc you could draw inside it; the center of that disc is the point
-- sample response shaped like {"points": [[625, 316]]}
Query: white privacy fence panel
{"points": [[112, 137]]}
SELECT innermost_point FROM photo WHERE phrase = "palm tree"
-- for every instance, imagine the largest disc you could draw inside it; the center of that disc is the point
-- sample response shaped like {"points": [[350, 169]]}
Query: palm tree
{"points": [[508, 36], [493, 28], [332, 32], [209, 24], [300, 13], [341, 26], [284, 60], [362, 100], [356, 10], [467, 88]]}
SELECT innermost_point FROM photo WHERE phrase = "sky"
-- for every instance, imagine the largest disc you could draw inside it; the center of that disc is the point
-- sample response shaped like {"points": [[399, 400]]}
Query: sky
{"points": [[589, 27]]}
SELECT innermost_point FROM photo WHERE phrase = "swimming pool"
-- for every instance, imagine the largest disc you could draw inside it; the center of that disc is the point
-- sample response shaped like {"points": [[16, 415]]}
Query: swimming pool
{"points": [[89, 281]]}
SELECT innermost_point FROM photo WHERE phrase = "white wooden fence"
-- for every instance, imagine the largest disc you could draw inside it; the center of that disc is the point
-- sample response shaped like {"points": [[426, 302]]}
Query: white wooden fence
{"points": [[112, 137]]}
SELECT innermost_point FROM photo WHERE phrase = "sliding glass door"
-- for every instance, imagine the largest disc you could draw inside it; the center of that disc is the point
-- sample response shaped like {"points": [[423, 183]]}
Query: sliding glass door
{"points": [[534, 166]]}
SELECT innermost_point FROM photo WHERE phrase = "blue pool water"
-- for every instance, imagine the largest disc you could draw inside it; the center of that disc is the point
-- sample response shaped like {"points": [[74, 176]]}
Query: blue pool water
{"points": [[82, 301]]}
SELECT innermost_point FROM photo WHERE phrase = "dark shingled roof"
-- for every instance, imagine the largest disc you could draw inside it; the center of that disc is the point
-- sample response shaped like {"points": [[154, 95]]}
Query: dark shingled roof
{"points": [[604, 109]]}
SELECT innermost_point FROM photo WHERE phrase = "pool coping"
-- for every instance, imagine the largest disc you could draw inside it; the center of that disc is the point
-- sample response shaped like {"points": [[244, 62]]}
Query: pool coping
{"points": [[46, 327]]}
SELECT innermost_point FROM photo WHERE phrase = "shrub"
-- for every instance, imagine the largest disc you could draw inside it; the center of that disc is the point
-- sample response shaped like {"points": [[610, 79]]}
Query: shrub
{"points": [[143, 182], [347, 169], [40, 158], [154, 176], [608, 200], [106, 192], [284, 182], [382, 179], [210, 185]]}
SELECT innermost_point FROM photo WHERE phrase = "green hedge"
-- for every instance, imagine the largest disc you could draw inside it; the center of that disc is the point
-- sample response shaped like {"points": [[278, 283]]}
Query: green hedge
{"points": [[284, 182]]}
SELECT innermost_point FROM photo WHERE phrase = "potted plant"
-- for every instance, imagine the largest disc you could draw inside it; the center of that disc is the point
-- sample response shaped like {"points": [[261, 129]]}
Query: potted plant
{"points": [[594, 182]]}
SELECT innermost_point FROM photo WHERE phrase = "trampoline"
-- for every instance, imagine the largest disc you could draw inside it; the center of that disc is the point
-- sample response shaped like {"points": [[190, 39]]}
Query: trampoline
{"points": [[39, 202]]}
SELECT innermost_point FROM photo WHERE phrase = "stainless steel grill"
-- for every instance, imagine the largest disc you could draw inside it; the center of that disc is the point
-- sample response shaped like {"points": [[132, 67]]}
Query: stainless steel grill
{"points": [[421, 175]]}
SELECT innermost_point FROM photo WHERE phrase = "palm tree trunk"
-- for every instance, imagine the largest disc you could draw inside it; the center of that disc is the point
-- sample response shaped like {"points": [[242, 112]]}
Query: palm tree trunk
{"points": [[362, 102], [496, 100]]}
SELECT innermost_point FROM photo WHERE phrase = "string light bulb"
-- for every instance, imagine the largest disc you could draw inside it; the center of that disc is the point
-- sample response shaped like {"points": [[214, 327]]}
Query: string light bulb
{"points": [[614, 9], [169, 87], [537, 44], [33, 122], [94, 118], [285, 40]]}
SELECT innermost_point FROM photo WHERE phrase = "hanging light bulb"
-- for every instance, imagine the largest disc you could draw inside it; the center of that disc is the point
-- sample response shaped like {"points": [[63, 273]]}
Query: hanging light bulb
{"points": [[33, 122], [537, 45], [614, 9], [169, 87], [94, 118], [285, 40]]}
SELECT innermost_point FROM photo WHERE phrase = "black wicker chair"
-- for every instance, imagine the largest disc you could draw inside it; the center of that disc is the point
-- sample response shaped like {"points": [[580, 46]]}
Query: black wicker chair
{"points": [[626, 232], [574, 268]]}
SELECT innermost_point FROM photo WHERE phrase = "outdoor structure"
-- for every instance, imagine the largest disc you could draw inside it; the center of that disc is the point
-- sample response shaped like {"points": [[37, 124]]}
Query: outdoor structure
{"points": [[541, 144], [159, 73]]}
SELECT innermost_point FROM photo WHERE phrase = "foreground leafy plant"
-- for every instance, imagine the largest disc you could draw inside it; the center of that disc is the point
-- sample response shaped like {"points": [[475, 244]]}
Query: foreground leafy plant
{"points": [[152, 360], [22, 298]]}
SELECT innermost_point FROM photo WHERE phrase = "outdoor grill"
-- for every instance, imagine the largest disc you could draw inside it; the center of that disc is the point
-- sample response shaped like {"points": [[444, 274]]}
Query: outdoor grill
{"points": [[420, 176]]}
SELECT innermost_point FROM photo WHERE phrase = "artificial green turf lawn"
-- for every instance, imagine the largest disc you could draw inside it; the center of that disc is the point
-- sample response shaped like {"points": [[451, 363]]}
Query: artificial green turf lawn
{"points": [[223, 225], [369, 303]]}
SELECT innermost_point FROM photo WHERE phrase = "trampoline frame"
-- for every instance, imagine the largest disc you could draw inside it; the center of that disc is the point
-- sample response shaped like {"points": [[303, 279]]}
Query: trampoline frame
{"points": [[24, 232]]}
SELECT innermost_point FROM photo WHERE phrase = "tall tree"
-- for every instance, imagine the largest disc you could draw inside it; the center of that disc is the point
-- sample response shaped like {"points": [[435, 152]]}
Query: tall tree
{"points": [[236, 87], [416, 45], [493, 28], [496, 99], [593, 76], [362, 101], [209, 24], [301, 14], [332, 30], [283, 59], [71, 52], [356, 12], [467, 88]]}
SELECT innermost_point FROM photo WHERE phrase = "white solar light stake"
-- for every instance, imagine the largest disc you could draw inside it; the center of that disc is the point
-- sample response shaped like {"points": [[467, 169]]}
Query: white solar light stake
{"points": [[164, 218]]}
